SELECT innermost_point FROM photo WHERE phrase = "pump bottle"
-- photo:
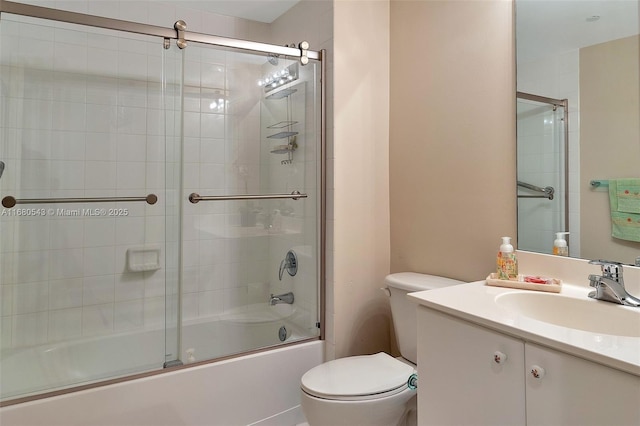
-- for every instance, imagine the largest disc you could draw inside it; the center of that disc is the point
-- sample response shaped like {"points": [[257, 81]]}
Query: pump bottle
{"points": [[506, 262], [560, 244]]}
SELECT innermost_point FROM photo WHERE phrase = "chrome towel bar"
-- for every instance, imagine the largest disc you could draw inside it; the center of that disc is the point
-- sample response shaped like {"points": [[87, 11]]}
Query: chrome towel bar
{"points": [[595, 183], [10, 201], [195, 198]]}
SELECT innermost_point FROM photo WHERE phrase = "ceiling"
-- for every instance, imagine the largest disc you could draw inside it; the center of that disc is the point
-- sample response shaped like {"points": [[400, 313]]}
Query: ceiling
{"points": [[255, 10], [545, 27]]}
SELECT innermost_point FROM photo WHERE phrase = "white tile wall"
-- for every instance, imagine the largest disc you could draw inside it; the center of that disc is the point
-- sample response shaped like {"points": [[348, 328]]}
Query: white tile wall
{"points": [[82, 109]]}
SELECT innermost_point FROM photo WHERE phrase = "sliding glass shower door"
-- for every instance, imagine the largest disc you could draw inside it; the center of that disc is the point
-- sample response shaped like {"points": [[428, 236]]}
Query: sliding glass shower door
{"points": [[89, 140], [251, 132], [161, 205]]}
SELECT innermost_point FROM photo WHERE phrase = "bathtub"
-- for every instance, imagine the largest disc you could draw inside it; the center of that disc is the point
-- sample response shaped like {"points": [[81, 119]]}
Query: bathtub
{"points": [[62, 365], [261, 389], [240, 330]]}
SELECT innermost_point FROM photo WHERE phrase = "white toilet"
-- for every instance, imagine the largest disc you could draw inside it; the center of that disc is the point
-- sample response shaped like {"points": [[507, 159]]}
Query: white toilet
{"points": [[372, 390]]}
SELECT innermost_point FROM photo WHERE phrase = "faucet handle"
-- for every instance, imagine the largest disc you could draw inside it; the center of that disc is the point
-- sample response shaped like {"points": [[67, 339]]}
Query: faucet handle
{"points": [[610, 269]]}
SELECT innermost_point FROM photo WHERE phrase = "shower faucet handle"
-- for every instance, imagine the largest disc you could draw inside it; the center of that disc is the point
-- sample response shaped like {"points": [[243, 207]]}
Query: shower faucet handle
{"points": [[289, 263]]}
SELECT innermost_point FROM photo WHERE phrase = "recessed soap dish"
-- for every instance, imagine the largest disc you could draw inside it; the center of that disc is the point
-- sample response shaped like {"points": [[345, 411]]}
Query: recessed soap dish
{"points": [[143, 258]]}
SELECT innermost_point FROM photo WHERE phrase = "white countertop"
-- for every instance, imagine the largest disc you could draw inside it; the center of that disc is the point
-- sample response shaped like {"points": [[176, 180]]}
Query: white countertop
{"points": [[475, 302]]}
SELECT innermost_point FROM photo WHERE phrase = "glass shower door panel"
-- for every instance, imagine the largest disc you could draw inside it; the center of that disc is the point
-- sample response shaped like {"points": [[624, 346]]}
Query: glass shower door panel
{"points": [[540, 162], [83, 283], [239, 142], [290, 157]]}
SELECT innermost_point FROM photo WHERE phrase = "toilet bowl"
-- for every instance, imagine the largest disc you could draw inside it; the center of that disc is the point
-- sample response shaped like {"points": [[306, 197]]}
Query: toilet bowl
{"points": [[358, 390], [372, 390]]}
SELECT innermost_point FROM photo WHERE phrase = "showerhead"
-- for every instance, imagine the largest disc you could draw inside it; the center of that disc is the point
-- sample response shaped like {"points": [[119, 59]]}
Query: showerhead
{"points": [[1, 168]]}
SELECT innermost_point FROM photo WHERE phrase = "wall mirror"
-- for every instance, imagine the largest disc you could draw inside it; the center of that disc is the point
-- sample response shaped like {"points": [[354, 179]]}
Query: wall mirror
{"points": [[578, 123]]}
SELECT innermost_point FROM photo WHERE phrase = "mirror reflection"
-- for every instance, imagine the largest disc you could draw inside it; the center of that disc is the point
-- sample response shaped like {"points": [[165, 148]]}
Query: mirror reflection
{"points": [[578, 127]]}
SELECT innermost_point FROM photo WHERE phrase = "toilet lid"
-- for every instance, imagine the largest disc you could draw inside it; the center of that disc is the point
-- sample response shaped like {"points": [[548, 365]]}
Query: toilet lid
{"points": [[356, 376]]}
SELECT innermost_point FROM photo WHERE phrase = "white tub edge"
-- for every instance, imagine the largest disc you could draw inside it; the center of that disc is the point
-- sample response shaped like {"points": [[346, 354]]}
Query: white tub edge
{"points": [[211, 394]]}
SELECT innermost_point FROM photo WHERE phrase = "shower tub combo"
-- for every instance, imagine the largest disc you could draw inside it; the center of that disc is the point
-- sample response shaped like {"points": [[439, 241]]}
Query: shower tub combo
{"points": [[162, 231]]}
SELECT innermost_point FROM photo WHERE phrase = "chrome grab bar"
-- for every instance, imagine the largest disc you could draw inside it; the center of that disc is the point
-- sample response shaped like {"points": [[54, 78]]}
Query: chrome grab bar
{"points": [[547, 191], [10, 201], [195, 198]]}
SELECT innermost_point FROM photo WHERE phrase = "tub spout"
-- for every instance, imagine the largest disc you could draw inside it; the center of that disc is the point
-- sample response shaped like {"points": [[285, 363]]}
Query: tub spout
{"points": [[281, 298]]}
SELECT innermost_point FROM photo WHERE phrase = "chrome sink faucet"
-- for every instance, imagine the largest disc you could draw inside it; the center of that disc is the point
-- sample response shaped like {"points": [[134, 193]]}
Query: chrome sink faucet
{"points": [[610, 285]]}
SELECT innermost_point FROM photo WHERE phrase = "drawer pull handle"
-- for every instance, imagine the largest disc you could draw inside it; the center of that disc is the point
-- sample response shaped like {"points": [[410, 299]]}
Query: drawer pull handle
{"points": [[537, 371], [499, 357]]}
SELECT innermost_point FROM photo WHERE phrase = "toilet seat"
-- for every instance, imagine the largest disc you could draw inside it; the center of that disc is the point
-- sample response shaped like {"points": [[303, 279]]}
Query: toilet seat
{"points": [[357, 378]]}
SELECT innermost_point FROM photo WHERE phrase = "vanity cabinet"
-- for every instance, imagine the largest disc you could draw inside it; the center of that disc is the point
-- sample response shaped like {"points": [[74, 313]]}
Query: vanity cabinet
{"points": [[574, 391], [471, 375], [459, 380]]}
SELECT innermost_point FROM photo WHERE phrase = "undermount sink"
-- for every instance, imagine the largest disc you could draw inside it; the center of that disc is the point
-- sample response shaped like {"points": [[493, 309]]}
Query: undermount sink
{"points": [[582, 314]]}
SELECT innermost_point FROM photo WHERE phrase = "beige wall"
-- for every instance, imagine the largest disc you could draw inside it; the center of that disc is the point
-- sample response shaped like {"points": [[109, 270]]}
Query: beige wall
{"points": [[452, 138], [423, 164], [358, 319], [610, 139], [447, 131]]}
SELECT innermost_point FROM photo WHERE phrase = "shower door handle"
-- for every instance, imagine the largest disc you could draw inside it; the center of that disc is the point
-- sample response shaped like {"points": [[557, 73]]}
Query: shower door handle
{"points": [[10, 201], [195, 198]]}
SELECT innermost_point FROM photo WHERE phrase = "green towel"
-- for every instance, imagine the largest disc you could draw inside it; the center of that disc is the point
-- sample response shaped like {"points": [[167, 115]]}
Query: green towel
{"points": [[625, 208], [628, 195]]}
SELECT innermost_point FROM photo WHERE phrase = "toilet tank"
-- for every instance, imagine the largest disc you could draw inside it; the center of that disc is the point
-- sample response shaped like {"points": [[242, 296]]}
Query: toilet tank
{"points": [[403, 310]]}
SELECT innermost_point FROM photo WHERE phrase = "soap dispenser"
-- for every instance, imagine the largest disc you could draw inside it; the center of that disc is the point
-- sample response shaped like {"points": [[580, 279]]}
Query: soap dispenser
{"points": [[506, 262], [560, 244]]}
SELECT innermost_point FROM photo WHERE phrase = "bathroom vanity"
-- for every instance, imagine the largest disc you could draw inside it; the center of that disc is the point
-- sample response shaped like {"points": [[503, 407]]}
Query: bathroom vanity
{"points": [[517, 357]]}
